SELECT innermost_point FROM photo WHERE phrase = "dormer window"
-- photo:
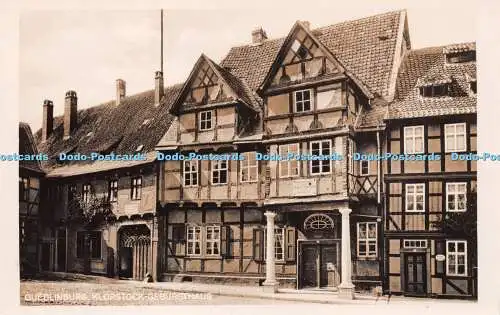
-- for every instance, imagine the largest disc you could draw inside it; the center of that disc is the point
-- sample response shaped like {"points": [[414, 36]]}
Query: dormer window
{"points": [[473, 86], [434, 90], [139, 148], [461, 57]]}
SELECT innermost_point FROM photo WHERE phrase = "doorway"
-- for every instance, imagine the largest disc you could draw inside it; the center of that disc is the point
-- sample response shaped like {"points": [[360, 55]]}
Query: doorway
{"points": [[319, 264], [415, 274]]}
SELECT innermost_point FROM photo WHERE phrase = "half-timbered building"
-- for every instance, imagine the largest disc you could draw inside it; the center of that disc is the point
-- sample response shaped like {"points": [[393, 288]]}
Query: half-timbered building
{"points": [[434, 113]]}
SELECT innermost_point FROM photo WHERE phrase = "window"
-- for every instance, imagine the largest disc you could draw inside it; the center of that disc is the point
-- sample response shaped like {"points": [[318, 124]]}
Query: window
{"points": [[219, 172], [190, 173], [456, 197], [367, 239], [364, 167], [80, 244], [86, 192], [136, 189], [456, 258], [318, 222], [249, 168], [213, 240], [321, 148], [289, 167], [95, 241], [473, 86], [24, 189], [414, 139], [455, 137], [193, 240], [206, 120], [113, 190], [279, 244], [461, 57], [302, 101], [415, 197], [434, 90], [71, 192], [415, 243]]}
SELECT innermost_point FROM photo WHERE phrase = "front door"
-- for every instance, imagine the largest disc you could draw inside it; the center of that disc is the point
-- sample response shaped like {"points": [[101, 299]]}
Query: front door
{"points": [[415, 274], [318, 265]]}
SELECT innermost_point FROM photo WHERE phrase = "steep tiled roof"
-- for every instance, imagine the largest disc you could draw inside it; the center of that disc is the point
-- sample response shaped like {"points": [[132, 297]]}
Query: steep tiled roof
{"points": [[365, 47], [428, 66], [27, 146], [121, 128]]}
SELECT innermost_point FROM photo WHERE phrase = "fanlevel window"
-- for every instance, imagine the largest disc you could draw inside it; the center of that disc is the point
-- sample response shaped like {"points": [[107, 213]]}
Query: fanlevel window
{"points": [[414, 139], [289, 167], [191, 173], [415, 243], [456, 258], [415, 197], [219, 172], [303, 101], [321, 148], [279, 244], [113, 190], [367, 239], [364, 167], [206, 120], [249, 167], [136, 189], [456, 197], [455, 137], [434, 90]]}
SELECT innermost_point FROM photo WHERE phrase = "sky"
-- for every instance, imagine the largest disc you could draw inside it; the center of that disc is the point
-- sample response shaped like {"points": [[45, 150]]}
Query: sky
{"points": [[87, 50]]}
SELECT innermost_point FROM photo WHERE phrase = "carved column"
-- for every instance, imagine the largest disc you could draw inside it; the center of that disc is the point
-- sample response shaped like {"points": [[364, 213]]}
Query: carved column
{"points": [[270, 284], [346, 288]]}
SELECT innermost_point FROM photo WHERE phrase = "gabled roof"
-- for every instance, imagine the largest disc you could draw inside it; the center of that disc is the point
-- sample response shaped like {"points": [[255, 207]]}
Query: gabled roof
{"points": [[119, 128], [27, 146], [240, 88], [428, 66], [365, 47]]}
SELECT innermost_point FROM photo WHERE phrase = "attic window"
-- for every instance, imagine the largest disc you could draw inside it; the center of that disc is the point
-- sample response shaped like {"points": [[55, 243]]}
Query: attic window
{"points": [[434, 90], [473, 86], [146, 122], [139, 148], [461, 57]]}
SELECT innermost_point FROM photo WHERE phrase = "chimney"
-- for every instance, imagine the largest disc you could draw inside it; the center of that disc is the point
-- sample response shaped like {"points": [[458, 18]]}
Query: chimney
{"points": [[307, 24], [120, 90], [70, 113], [258, 35], [47, 119], [159, 87]]}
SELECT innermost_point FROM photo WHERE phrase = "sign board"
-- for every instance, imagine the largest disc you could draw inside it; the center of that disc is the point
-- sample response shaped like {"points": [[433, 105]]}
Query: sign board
{"points": [[440, 257]]}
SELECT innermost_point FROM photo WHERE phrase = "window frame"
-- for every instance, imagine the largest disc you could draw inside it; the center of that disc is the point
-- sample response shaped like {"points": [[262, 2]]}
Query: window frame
{"points": [[367, 240], [209, 243], [310, 100], [246, 164], [413, 137], [456, 193], [456, 254], [112, 190], [321, 162], [194, 240], [219, 170], [361, 173], [455, 135], [276, 241], [136, 188], [192, 174], [415, 195], [288, 162], [206, 120], [86, 192]]}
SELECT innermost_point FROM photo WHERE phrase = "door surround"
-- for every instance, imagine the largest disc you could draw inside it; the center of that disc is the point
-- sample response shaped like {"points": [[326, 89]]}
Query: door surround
{"points": [[428, 280]]}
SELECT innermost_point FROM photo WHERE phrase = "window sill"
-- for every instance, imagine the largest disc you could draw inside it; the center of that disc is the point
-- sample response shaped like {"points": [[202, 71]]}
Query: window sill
{"points": [[367, 258]]}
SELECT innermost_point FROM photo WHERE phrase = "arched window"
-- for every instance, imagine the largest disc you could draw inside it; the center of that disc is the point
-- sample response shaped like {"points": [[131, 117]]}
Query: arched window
{"points": [[318, 222]]}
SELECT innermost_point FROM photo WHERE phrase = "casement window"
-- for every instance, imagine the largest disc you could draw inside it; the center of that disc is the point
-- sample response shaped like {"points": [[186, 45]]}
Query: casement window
{"points": [[136, 188], [206, 120], [190, 173], [289, 167], [455, 137], [284, 244], [248, 167], [24, 189], [212, 240], [91, 242], [193, 240], [367, 239], [414, 139], [415, 194], [456, 197], [415, 243], [302, 101], [364, 167], [321, 148], [87, 190], [113, 190], [456, 258], [437, 90], [219, 172]]}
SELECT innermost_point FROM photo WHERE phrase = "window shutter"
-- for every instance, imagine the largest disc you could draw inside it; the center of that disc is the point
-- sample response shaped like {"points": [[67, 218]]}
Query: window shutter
{"points": [[290, 240], [258, 244], [225, 241], [179, 239]]}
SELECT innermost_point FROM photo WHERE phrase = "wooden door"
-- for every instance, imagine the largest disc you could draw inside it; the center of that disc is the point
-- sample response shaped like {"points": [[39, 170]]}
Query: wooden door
{"points": [[309, 266], [415, 274], [328, 278]]}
